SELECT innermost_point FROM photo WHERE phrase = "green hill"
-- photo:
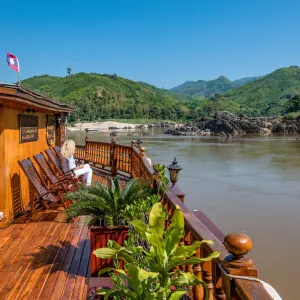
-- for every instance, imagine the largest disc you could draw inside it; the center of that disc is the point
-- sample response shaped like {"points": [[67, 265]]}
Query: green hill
{"points": [[266, 96], [210, 88], [109, 96]]}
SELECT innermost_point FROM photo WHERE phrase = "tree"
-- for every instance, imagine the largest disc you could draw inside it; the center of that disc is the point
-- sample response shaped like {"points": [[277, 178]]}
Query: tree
{"points": [[69, 70], [293, 104]]}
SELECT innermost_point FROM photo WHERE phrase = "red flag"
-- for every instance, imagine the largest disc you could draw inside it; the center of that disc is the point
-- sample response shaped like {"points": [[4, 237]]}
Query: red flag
{"points": [[13, 62]]}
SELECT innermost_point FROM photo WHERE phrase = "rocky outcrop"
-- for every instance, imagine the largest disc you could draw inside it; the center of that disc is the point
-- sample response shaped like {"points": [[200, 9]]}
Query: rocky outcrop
{"points": [[161, 124], [114, 133], [139, 133], [226, 123]]}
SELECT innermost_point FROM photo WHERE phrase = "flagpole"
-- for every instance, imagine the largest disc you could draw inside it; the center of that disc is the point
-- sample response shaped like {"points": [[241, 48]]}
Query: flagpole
{"points": [[19, 73]]}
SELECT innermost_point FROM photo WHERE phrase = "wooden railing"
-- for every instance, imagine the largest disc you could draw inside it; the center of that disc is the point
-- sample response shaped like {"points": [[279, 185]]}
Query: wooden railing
{"points": [[232, 259]]}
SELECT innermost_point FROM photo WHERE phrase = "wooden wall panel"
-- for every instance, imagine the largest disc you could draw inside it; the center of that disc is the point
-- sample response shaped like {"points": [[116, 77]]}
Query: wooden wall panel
{"points": [[17, 189], [2, 161]]}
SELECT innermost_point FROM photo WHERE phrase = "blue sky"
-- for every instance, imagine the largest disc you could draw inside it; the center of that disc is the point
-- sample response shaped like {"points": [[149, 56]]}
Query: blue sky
{"points": [[164, 42]]}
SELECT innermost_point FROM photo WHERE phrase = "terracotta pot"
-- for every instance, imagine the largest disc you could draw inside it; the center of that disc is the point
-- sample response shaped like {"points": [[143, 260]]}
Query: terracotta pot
{"points": [[99, 236]]}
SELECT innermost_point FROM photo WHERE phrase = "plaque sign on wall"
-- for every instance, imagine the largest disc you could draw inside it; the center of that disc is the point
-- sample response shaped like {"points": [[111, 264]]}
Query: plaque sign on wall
{"points": [[50, 130], [28, 128]]}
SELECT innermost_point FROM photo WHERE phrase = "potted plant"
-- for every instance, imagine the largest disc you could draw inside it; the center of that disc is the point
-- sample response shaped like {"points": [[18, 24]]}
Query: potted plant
{"points": [[149, 274], [105, 206]]}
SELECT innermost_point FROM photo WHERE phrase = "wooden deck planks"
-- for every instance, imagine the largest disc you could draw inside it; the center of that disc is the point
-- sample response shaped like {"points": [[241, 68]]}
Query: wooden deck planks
{"points": [[25, 268], [62, 277], [45, 259]]}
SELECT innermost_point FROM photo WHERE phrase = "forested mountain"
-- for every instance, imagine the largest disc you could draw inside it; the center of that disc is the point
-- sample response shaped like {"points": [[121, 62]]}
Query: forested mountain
{"points": [[109, 96], [267, 96], [210, 88]]}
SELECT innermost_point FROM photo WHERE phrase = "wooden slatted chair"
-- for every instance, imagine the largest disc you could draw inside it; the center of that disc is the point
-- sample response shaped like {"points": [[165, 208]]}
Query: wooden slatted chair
{"points": [[55, 162], [65, 164], [48, 197], [54, 180]]}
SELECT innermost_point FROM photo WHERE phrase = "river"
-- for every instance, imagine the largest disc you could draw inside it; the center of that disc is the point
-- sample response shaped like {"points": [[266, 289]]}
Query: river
{"points": [[247, 184]]}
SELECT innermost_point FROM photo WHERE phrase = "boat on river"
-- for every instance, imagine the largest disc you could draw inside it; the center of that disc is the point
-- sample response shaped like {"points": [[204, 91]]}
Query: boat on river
{"points": [[45, 256], [92, 129]]}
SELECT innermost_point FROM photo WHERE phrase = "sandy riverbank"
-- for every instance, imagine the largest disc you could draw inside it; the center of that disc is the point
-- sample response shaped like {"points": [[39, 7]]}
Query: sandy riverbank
{"points": [[102, 125], [105, 125]]}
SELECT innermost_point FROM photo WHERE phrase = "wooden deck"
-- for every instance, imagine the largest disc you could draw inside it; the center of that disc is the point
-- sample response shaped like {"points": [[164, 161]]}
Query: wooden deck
{"points": [[46, 257]]}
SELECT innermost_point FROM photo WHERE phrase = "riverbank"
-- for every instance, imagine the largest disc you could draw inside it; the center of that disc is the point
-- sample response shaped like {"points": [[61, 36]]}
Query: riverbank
{"points": [[107, 125]]}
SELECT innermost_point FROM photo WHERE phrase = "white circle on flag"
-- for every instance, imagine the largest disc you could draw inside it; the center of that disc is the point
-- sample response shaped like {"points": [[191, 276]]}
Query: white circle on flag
{"points": [[11, 61]]}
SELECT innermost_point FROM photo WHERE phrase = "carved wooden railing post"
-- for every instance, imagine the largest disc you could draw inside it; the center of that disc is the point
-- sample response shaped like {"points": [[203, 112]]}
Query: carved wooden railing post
{"points": [[87, 139], [188, 242], [113, 162], [208, 275], [238, 245], [198, 290]]}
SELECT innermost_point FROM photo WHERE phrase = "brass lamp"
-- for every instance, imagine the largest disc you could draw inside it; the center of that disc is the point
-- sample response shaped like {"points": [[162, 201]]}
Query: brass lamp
{"points": [[174, 170]]}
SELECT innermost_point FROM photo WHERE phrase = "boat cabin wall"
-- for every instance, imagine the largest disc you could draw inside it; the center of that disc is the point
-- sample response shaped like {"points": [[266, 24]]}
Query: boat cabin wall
{"points": [[15, 191]]}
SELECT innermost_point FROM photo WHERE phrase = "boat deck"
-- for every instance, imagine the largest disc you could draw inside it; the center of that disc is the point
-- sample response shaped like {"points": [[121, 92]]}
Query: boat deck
{"points": [[45, 257]]}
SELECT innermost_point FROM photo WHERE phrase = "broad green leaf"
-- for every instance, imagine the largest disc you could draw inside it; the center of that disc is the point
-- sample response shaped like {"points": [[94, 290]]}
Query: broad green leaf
{"points": [[105, 252], [158, 244], [188, 251], [176, 261], [143, 275], [126, 256], [102, 291], [133, 272], [177, 294], [118, 290], [105, 270], [140, 227], [113, 244], [186, 278], [176, 231], [156, 221]]}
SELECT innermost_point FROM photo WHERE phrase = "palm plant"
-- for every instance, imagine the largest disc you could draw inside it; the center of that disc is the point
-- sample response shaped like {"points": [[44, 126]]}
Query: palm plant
{"points": [[105, 204]]}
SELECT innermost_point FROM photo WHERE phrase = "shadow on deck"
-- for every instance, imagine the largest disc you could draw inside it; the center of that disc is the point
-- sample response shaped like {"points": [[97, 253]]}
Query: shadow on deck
{"points": [[46, 257]]}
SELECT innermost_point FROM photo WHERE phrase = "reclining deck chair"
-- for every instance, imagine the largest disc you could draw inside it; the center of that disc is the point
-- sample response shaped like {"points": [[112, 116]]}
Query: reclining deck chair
{"points": [[54, 180], [42, 192], [64, 165]]}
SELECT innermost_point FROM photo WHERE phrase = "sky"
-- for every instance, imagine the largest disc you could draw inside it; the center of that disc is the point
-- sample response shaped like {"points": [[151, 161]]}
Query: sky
{"points": [[160, 42]]}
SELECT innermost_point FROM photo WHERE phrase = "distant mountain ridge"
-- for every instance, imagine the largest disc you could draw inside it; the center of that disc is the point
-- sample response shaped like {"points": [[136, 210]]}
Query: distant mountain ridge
{"points": [[104, 96], [210, 88], [266, 96]]}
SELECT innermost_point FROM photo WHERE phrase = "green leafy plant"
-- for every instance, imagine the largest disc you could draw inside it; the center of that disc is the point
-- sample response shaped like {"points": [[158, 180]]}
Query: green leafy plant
{"points": [[140, 209], [150, 274], [106, 204], [163, 181]]}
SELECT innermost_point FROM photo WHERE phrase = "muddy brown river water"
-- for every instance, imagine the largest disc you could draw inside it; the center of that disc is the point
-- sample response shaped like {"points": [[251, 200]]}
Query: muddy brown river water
{"points": [[248, 184]]}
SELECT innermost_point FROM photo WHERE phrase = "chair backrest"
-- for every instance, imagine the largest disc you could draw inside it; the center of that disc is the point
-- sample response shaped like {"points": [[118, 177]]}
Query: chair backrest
{"points": [[54, 161], [57, 149], [33, 176], [63, 161], [46, 167]]}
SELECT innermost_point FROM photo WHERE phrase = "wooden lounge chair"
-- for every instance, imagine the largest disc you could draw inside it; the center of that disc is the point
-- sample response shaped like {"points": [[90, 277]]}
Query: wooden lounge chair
{"points": [[53, 180], [48, 197], [62, 164], [55, 162]]}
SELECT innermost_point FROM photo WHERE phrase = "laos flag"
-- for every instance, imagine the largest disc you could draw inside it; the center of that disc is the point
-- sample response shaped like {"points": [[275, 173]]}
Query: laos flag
{"points": [[13, 62]]}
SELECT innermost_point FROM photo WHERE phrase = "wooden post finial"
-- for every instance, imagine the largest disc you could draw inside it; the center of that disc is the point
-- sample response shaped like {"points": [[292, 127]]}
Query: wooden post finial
{"points": [[238, 245], [142, 150]]}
